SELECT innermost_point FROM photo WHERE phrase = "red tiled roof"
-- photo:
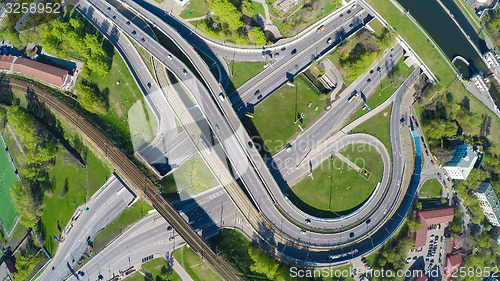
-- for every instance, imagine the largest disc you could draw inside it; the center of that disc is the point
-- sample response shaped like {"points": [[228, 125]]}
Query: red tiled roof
{"points": [[431, 217], [449, 246], [5, 62], [454, 262], [46, 73]]}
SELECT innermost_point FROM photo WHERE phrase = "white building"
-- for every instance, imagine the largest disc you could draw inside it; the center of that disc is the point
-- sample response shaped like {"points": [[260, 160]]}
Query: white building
{"points": [[491, 60], [462, 163], [488, 200]]}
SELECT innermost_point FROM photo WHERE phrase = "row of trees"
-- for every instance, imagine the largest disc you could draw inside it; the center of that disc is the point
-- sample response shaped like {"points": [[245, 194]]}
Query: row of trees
{"points": [[40, 150], [226, 23], [71, 35]]}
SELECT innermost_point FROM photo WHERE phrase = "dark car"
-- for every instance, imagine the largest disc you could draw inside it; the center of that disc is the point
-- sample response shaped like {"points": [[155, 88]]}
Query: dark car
{"points": [[128, 22], [294, 51], [133, 32], [149, 85], [341, 15], [348, 11], [369, 80], [371, 71], [142, 40]]}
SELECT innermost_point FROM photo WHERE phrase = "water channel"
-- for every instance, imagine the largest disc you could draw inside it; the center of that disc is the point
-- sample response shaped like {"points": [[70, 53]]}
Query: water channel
{"points": [[439, 25]]}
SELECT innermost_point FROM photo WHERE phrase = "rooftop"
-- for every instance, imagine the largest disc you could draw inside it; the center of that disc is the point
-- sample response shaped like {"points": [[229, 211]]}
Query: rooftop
{"points": [[431, 217], [464, 156], [490, 194]]}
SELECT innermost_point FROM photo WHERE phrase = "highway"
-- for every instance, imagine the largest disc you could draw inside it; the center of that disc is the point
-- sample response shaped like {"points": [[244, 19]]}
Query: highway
{"points": [[131, 174], [105, 205], [234, 139], [169, 148]]}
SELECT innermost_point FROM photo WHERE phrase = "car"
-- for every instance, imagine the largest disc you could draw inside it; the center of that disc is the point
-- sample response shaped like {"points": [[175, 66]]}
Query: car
{"points": [[441, 239], [143, 40], [114, 17], [184, 71], [133, 32], [259, 97], [427, 152], [369, 80], [329, 41], [169, 56], [250, 144], [308, 221], [351, 234], [427, 259], [432, 162], [363, 259], [348, 11], [440, 250], [282, 49], [276, 55], [353, 6], [378, 69], [351, 25], [149, 85], [371, 71], [128, 22], [341, 15], [303, 231], [217, 127], [415, 258], [408, 260], [288, 147], [390, 55], [169, 228], [256, 92], [222, 97], [170, 239], [109, 8], [263, 53], [294, 51]]}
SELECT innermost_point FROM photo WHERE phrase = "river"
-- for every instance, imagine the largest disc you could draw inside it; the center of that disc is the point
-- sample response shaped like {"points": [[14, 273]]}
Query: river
{"points": [[438, 24]]}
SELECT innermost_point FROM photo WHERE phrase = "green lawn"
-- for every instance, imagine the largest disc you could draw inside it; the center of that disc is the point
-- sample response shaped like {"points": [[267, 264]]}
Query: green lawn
{"points": [[366, 157], [157, 269], [71, 185], [191, 262], [243, 71], [195, 8], [417, 40], [258, 9], [385, 89], [274, 118], [8, 211], [121, 97], [377, 26], [194, 176], [119, 224], [378, 126], [336, 186], [430, 189]]}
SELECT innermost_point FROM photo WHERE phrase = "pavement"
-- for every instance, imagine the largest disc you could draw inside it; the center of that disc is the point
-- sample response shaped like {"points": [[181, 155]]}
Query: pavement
{"points": [[104, 206]]}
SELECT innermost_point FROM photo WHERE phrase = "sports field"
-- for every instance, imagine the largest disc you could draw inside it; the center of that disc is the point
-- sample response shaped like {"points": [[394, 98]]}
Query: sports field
{"points": [[8, 212]]}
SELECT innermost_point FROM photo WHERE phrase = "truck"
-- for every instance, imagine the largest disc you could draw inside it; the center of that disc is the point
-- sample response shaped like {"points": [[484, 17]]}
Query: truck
{"points": [[353, 96]]}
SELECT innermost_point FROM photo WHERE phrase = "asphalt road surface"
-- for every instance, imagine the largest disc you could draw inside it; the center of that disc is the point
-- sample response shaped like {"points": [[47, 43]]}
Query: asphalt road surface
{"points": [[111, 199]]}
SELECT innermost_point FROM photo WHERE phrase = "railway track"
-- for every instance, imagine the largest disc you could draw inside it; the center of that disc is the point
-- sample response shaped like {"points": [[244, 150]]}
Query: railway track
{"points": [[130, 172]]}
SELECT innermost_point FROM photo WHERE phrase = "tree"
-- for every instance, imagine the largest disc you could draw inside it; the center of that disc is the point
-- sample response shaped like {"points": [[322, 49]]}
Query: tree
{"points": [[263, 263], [25, 205], [257, 35], [89, 99], [226, 13], [414, 225]]}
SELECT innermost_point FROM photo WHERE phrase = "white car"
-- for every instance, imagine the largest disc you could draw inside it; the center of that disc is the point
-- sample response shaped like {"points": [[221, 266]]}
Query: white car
{"points": [[222, 97]]}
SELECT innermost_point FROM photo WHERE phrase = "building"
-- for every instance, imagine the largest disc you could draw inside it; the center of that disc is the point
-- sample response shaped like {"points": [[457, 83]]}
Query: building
{"points": [[488, 200], [6, 270], [479, 82], [38, 71], [453, 263], [428, 218], [461, 164], [491, 60], [285, 5]]}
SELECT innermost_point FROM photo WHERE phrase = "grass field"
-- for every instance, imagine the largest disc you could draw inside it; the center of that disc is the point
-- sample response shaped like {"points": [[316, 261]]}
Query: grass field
{"points": [[377, 26], [119, 224], [71, 186], [336, 187], [243, 71], [194, 176], [274, 118], [155, 269], [80, 184], [385, 89], [378, 126], [8, 212], [195, 8], [258, 9], [417, 40], [430, 189], [121, 97], [199, 271], [365, 156]]}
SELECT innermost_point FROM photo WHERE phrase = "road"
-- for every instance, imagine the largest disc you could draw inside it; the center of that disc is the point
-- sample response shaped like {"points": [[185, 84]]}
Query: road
{"points": [[247, 162], [151, 235], [105, 205], [169, 148]]}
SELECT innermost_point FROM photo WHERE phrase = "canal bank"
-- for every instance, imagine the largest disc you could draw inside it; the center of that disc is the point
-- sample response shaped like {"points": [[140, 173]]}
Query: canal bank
{"points": [[444, 31]]}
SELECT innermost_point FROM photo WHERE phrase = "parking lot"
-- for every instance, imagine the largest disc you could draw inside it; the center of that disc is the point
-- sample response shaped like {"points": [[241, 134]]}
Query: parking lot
{"points": [[433, 254]]}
